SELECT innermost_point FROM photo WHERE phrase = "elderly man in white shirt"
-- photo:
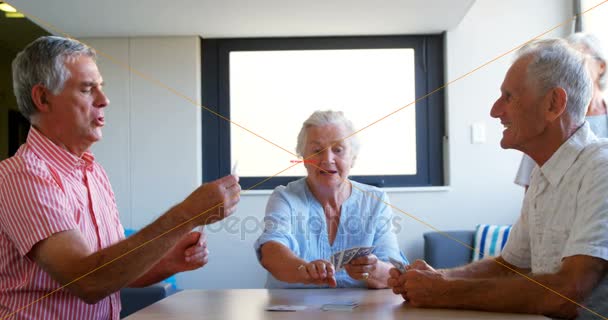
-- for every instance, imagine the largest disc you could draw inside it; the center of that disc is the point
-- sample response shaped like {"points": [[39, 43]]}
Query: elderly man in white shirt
{"points": [[556, 258], [596, 115]]}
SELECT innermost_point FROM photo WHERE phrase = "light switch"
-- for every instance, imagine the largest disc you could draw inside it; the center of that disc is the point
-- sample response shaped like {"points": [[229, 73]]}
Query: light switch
{"points": [[478, 133]]}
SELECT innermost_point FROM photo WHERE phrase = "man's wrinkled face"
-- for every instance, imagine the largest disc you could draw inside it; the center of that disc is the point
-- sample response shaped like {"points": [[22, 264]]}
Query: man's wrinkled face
{"points": [[518, 108], [79, 108]]}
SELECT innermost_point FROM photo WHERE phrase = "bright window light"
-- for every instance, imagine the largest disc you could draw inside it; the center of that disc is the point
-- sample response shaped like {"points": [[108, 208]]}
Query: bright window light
{"points": [[273, 92], [595, 22]]}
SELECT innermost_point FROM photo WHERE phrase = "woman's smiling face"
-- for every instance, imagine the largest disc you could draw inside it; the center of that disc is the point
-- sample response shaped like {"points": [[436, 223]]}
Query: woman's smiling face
{"points": [[329, 159]]}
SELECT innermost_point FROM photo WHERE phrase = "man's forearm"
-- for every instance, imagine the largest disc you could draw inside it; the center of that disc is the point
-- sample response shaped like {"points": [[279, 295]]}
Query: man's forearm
{"points": [[134, 258], [486, 268], [537, 295], [158, 273]]}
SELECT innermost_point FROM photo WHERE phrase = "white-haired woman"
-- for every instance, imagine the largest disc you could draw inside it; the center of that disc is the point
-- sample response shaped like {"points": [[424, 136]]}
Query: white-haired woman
{"points": [[310, 219], [596, 114]]}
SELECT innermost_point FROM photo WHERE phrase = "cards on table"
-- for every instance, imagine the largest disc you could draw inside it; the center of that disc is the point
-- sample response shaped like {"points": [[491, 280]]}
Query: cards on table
{"points": [[345, 306], [285, 308], [397, 264], [340, 259], [336, 306]]}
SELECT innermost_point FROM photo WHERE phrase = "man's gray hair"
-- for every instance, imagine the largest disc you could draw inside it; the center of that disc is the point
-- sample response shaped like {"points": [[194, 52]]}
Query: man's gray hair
{"points": [[43, 62], [322, 118], [590, 44], [555, 63]]}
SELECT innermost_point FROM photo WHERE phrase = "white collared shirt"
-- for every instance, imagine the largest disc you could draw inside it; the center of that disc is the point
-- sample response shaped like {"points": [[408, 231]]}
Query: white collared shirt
{"points": [[565, 211]]}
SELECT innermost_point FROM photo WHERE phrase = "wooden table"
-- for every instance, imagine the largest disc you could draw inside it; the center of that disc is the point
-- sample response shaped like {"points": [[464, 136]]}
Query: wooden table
{"points": [[250, 304]]}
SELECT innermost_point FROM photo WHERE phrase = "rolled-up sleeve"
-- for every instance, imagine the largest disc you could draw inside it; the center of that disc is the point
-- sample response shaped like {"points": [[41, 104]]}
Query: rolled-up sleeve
{"points": [[385, 239], [277, 223]]}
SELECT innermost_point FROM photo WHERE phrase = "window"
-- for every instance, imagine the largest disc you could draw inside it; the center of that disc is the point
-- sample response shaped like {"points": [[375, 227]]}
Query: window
{"points": [[270, 86], [595, 21]]}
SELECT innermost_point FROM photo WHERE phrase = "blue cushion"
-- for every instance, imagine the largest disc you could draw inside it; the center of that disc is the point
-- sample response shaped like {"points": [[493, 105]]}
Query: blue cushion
{"points": [[129, 232], [489, 240], [134, 299], [448, 249]]}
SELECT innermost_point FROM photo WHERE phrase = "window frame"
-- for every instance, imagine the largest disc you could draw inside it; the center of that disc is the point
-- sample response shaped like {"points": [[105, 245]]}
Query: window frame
{"points": [[430, 117]]}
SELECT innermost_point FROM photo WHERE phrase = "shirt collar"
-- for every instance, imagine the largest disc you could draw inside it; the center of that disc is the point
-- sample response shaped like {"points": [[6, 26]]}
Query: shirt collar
{"points": [[556, 167], [57, 156]]}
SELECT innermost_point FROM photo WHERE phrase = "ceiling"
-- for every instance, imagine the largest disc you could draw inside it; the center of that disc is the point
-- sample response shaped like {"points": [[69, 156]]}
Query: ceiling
{"points": [[242, 18], [16, 33]]}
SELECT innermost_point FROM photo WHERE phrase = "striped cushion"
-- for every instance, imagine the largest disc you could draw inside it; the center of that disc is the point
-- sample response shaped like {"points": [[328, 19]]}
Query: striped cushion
{"points": [[489, 240]]}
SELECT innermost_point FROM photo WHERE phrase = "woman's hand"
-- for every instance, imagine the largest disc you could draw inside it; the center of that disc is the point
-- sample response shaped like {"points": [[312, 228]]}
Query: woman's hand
{"points": [[361, 268], [369, 268], [318, 272]]}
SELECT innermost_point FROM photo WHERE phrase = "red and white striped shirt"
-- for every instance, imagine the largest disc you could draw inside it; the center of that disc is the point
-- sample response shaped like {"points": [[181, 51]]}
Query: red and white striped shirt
{"points": [[44, 189]]}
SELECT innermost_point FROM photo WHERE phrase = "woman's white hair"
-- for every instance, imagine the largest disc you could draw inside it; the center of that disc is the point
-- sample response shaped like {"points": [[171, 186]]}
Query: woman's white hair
{"points": [[322, 118], [555, 63], [590, 44]]}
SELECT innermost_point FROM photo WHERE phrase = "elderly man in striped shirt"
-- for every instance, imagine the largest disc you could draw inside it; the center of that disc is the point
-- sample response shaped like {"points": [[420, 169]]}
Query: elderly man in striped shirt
{"points": [[62, 250]]}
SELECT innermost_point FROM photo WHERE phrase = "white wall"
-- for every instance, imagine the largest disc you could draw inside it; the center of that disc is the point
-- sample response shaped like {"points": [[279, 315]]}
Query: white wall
{"points": [[152, 140], [152, 151]]}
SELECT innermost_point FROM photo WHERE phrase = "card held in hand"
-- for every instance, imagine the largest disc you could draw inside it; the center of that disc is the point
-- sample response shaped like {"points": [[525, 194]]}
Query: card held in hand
{"points": [[363, 251], [348, 256], [342, 258], [397, 264], [336, 259]]}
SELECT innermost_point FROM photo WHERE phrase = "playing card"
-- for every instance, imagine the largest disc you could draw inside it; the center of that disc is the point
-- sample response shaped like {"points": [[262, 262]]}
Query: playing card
{"points": [[235, 167], [337, 260], [363, 251], [285, 307], [348, 255], [397, 264]]}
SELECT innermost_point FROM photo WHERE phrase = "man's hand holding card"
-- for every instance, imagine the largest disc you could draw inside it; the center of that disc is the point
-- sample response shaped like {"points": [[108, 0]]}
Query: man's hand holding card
{"points": [[397, 264]]}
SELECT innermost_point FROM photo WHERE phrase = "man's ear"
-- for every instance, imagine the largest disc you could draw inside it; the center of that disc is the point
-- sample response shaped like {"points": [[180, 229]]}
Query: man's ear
{"points": [[557, 100], [40, 98]]}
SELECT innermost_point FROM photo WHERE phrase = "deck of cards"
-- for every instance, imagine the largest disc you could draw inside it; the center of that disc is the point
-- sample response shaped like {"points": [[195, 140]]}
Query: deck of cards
{"points": [[345, 306], [285, 308], [335, 306], [342, 258]]}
